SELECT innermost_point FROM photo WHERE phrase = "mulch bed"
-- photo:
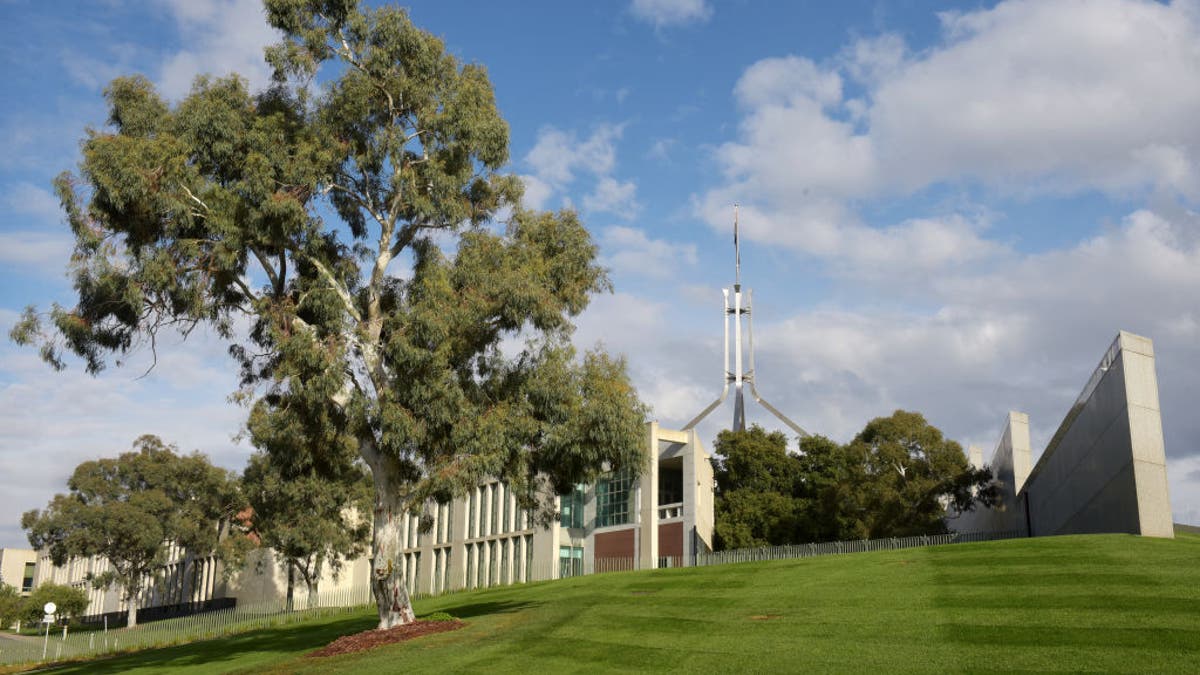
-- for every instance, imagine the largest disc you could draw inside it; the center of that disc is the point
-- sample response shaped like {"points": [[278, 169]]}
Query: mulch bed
{"points": [[370, 639]]}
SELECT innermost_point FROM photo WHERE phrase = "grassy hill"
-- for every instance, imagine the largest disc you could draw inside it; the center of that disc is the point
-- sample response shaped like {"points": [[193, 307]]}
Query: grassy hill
{"points": [[1083, 603]]}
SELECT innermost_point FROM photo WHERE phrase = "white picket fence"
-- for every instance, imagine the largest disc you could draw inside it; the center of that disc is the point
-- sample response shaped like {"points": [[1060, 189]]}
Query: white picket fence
{"points": [[56, 646]]}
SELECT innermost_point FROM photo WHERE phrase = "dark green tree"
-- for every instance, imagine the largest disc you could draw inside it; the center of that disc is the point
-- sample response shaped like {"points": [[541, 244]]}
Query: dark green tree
{"points": [[832, 492], [310, 522], [293, 211], [899, 477], [69, 603], [11, 604], [756, 489], [129, 509], [912, 476]]}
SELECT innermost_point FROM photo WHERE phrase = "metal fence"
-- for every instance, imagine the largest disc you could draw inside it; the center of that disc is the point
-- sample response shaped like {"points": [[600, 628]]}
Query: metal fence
{"points": [[59, 645], [841, 547]]}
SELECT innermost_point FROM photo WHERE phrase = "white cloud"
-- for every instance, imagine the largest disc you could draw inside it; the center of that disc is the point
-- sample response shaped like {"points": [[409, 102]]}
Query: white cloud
{"points": [[26, 198], [628, 251], [223, 37], [613, 196], [46, 251], [1027, 98], [663, 13], [1080, 93], [537, 192], [558, 155], [50, 422], [558, 158], [779, 81]]}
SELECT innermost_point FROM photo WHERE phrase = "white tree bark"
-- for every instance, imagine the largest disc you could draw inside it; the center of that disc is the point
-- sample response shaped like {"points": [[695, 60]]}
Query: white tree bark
{"points": [[391, 594]]}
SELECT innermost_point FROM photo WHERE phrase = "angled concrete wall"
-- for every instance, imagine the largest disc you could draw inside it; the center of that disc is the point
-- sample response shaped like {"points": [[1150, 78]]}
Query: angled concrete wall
{"points": [[1103, 471], [1010, 465], [1105, 468]]}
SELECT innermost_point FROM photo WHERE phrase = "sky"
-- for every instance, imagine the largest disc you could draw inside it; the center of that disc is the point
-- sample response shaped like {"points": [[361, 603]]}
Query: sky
{"points": [[944, 207]]}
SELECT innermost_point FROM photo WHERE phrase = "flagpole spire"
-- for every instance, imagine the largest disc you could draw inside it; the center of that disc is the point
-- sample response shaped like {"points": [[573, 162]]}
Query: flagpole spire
{"points": [[737, 252], [737, 306]]}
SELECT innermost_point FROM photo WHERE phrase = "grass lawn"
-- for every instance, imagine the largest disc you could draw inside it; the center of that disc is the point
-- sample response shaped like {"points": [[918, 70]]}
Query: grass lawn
{"points": [[1084, 603]]}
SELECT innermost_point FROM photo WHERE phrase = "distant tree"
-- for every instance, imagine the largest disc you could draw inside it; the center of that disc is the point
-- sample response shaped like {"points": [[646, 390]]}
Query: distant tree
{"points": [[898, 477], [127, 510], [309, 521], [756, 483], [831, 496], [11, 604], [290, 211], [69, 602], [912, 476]]}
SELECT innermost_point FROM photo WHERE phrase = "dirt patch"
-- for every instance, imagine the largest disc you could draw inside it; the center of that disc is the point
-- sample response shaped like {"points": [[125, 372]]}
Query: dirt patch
{"points": [[763, 617], [370, 639]]}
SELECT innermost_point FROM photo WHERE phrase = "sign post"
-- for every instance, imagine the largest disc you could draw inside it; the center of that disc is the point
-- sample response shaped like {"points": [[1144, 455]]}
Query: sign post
{"points": [[49, 608]]}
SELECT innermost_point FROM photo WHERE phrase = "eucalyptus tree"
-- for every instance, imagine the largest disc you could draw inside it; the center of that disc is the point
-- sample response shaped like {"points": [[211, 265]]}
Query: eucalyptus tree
{"points": [[130, 509], [295, 211], [311, 522]]}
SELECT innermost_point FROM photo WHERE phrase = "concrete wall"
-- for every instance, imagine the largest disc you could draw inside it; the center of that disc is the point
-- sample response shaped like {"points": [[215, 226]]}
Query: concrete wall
{"points": [[12, 565], [1010, 465], [264, 580], [1105, 468]]}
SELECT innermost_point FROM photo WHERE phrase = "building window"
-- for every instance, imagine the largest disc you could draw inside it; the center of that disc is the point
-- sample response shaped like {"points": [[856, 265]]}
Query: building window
{"points": [[613, 494], [670, 486], [27, 582], [570, 561], [572, 508]]}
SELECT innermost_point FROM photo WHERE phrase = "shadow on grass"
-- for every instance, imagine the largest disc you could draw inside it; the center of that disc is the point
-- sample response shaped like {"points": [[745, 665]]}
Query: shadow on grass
{"points": [[281, 640], [474, 609]]}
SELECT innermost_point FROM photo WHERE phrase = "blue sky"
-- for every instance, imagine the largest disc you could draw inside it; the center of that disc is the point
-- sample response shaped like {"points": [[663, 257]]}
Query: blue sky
{"points": [[946, 207]]}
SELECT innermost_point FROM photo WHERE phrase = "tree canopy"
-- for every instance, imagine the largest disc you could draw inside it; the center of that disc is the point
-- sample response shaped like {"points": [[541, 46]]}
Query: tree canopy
{"points": [[290, 212], [69, 603], [898, 477], [308, 521], [130, 509], [11, 604]]}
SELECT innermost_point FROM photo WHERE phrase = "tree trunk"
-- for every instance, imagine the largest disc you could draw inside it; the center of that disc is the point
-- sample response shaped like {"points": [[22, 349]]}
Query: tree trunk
{"points": [[312, 591], [391, 594], [131, 600], [291, 585]]}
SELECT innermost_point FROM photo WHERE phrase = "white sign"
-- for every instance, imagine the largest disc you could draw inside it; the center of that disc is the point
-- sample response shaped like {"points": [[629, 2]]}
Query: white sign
{"points": [[49, 618], [50, 607]]}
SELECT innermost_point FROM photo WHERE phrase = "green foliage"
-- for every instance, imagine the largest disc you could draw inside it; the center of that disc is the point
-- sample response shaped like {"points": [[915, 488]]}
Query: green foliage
{"points": [[898, 477], [127, 509], [911, 471], [11, 604], [69, 602], [309, 520], [209, 210], [757, 480]]}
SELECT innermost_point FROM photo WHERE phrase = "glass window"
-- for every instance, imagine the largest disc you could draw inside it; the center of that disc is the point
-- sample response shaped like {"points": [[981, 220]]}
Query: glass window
{"points": [[670, 486], [27, 582], [572, 508], [613, 496], [570, 561]]}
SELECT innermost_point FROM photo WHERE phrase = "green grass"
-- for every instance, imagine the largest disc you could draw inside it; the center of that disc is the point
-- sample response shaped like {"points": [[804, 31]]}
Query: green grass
{"points": [[1089, 603]]}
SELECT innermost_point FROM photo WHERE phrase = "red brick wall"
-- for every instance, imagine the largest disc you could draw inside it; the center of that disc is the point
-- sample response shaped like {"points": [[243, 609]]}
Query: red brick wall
{"points": [[618, 544], [670, 540]]}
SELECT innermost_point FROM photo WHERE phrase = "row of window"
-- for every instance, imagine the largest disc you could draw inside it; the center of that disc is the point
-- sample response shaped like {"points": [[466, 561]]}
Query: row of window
{"points": [[499, 561], [492, 509]]}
